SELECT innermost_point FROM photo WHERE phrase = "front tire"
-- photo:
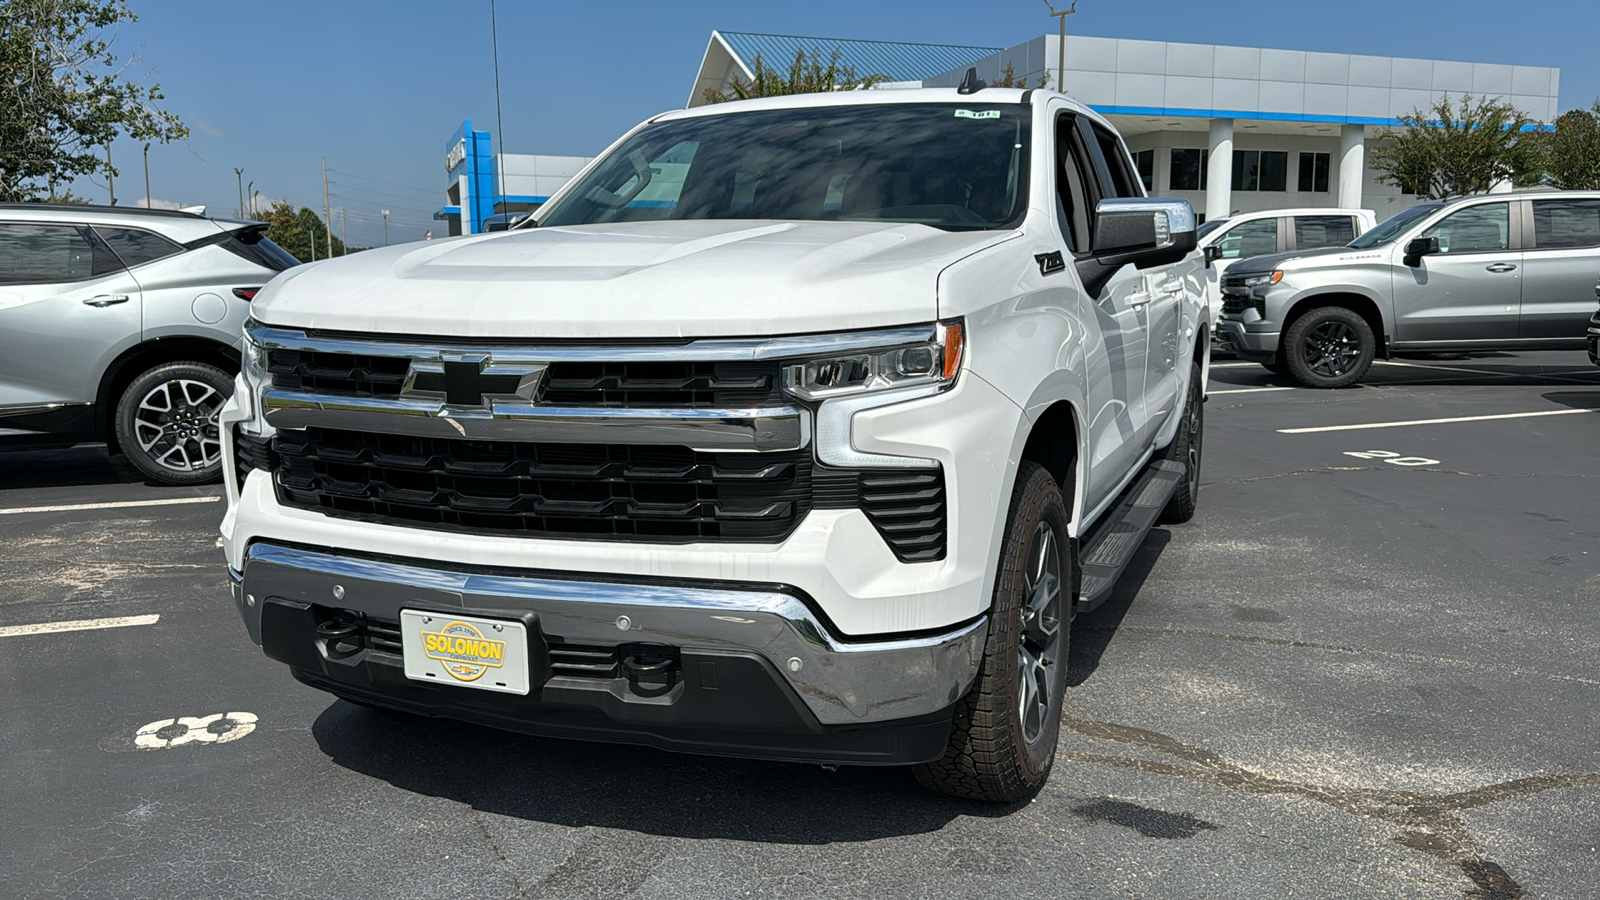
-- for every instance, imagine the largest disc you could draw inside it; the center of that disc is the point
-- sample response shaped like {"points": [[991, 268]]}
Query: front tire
{"points": [[1329, 347], [1185, 448], [1003, 741], [166, 422]]}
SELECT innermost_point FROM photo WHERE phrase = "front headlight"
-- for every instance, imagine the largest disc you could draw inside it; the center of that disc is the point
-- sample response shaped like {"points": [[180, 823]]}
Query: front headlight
{"points": [[936, 361], [253, 371], [1264, 279]]}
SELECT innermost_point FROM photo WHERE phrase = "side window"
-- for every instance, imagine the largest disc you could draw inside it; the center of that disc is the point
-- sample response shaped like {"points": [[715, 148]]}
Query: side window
{"points": [[1476, 229], [1565, 224], [1145, 162], [1188, 172], [1072, 186], [1257, 238], [1323, 231], [1123, 183], [46, 254], [135, 247]]}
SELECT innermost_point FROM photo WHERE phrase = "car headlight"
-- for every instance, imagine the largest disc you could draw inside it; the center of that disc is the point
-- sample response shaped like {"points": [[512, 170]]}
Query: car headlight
{"points": [[253, 369], [1264, 279], [936, 361]]}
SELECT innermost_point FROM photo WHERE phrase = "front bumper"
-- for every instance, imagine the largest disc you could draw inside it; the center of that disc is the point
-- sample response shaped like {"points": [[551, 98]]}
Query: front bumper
{"points": [[1254, 346], [757, 671]]}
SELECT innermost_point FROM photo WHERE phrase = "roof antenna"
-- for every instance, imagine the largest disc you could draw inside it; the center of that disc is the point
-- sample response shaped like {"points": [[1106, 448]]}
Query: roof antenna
{"points": [[970, 82]]}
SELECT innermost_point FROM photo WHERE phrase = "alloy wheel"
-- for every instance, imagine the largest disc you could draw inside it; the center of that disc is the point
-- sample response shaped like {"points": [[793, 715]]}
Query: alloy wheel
{"points": [[176, 425], [1039, 638], [1331, 349]]}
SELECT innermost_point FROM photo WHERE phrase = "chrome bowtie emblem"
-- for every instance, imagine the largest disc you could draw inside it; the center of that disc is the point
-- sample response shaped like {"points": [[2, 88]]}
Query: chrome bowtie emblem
{"points": [[468, 380]]}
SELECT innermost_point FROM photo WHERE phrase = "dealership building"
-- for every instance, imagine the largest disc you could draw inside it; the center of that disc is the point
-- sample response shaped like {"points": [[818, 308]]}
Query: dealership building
{"points": [[1232, 129]]}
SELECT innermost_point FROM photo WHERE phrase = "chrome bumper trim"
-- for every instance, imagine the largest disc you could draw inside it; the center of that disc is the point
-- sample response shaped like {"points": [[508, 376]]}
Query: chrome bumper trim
{"points": [[842, 682], [761, 430]]}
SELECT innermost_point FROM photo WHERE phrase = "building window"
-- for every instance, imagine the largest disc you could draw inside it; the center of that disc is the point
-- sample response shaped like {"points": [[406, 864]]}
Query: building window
{"points": [[1145, 162], [1260, 170], [1188, 170], [1314, 173]]}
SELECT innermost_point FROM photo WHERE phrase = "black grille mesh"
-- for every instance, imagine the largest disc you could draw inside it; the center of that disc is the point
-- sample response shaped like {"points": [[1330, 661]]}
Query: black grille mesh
{"points": [[556, 490]]}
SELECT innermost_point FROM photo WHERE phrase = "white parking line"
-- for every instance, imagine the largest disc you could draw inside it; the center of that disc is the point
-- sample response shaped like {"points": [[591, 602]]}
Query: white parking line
{"points": [[1523, 415], [1251, 390], [119, 505], [78, 625]]}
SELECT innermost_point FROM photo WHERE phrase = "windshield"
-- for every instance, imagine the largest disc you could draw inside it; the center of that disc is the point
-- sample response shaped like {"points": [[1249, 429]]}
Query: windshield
{"points": [[1209, 227], [1396, 226], [952, 167]]}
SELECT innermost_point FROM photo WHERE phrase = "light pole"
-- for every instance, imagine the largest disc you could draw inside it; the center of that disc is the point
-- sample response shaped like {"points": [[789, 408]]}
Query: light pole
{"points": [[146, 176], [255, 201], [386, 228], [1061, 55], [240, 174], [250, 193]]}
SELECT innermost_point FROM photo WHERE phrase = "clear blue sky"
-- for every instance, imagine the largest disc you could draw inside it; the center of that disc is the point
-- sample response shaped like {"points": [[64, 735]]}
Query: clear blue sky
{"points": [[379, 86]]}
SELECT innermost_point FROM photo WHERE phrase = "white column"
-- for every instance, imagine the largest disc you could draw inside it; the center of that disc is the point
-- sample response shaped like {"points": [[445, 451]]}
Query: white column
{"points": [[1219, 171], [1352, 165]]}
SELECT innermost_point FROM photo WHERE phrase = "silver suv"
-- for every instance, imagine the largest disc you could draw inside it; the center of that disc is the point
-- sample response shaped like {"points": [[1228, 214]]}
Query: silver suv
{"points": [[123, 326], [1493, 272]]}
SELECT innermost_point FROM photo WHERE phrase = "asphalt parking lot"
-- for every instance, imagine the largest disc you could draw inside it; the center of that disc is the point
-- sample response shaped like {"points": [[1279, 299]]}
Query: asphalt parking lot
{"points": [[1367, 668]]}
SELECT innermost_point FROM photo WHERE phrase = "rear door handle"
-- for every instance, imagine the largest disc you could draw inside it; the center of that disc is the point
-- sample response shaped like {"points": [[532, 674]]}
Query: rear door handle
{"points": [[104, 300], [1138, 300], [1502, 267], [1172, 287]]}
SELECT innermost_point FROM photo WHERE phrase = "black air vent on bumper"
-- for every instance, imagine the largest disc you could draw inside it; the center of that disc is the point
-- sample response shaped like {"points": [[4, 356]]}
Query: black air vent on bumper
{"points": [[907, 506]]}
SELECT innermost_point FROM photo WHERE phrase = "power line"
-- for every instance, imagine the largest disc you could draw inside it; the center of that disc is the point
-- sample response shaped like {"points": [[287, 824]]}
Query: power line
{"points": [[380, 181]]}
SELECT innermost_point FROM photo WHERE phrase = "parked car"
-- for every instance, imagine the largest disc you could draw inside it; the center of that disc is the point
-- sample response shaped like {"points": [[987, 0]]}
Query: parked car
{"points": [[1594, 331], [123, 326], [812, 459], [1226, 241], [1492, 272]]}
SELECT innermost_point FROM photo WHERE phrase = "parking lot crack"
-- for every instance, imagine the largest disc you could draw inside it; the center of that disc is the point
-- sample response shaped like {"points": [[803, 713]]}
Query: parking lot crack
{"points": [[499, 855], [1423, 822]]}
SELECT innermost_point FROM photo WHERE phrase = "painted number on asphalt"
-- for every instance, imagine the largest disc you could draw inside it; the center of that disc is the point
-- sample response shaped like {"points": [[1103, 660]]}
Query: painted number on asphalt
{"points": [[1392, 458], [217, 728]]}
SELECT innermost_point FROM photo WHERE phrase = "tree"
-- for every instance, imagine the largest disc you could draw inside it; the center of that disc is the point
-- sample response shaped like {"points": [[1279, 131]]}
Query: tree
{"points": [[64, 95], [1574, 150], [1010, 79], [1455, 150], [301, 232], [805, 75]]}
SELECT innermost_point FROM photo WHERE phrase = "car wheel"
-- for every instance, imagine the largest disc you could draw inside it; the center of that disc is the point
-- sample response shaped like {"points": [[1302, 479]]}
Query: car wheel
{"points": [[1185, 448], [166, 422], [1003, 739], [1330, 347]]}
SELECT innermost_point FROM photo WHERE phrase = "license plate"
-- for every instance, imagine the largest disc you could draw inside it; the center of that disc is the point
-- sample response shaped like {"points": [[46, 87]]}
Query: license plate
{"points": [[465, 651]]}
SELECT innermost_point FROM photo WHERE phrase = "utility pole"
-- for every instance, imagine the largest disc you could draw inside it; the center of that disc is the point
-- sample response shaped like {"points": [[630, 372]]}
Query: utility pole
{"points": [[110, 185], [327, 211], [494, 33], [146, 176], [239, 173], [344, 236], [386, 228], [1061, 55]]}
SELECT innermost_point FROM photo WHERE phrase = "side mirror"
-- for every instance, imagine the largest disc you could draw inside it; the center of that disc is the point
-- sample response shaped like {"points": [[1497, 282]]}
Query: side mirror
{"points": [[1417, 248], [1144, 231], [1212, 254]]}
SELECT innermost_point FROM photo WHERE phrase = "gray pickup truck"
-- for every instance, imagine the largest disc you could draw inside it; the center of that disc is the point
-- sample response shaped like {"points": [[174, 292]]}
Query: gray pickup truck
{"points": [[1493, 272]]}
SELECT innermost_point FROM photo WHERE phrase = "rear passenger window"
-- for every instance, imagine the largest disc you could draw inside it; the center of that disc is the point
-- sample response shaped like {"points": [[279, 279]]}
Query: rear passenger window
{"points": [[136, 247], [1565, 224], [1323, 231], [1247, 239], [46, 254]]}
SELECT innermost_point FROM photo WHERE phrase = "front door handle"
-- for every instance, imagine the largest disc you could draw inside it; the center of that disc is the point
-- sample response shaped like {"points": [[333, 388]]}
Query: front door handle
{"points": [[1502, 267], [1138, 300], [103, 300]]}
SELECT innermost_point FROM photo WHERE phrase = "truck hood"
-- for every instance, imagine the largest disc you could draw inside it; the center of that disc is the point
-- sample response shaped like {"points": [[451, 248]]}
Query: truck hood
{"points": [[637, 280], [1301, 259]]}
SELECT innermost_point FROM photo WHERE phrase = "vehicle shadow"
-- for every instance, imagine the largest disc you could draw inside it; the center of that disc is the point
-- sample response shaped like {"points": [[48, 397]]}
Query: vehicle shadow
{"points": [[68, 467], [1575, 399], [1485, 369], [639, 789], [1092, 633]]}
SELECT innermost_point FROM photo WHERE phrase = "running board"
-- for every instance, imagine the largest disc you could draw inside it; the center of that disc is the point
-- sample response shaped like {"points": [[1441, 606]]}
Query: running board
{"points": [[1110, 545]]}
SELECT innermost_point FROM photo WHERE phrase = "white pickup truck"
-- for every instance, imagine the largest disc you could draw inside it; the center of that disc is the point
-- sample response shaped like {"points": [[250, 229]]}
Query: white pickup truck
{"points": [[795, 428]]}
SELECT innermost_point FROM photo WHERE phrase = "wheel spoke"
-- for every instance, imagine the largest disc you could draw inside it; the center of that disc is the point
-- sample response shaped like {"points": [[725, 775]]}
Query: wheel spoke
{"points": [[162, 392], [155, 430], [196, 393]]}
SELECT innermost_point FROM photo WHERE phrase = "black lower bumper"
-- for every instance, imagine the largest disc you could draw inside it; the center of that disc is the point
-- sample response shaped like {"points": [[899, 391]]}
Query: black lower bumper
{"points": [[712, 702]]}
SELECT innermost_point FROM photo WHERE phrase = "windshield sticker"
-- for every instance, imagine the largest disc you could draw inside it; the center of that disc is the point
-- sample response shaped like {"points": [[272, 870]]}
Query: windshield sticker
{"points": [[970, 114]]}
